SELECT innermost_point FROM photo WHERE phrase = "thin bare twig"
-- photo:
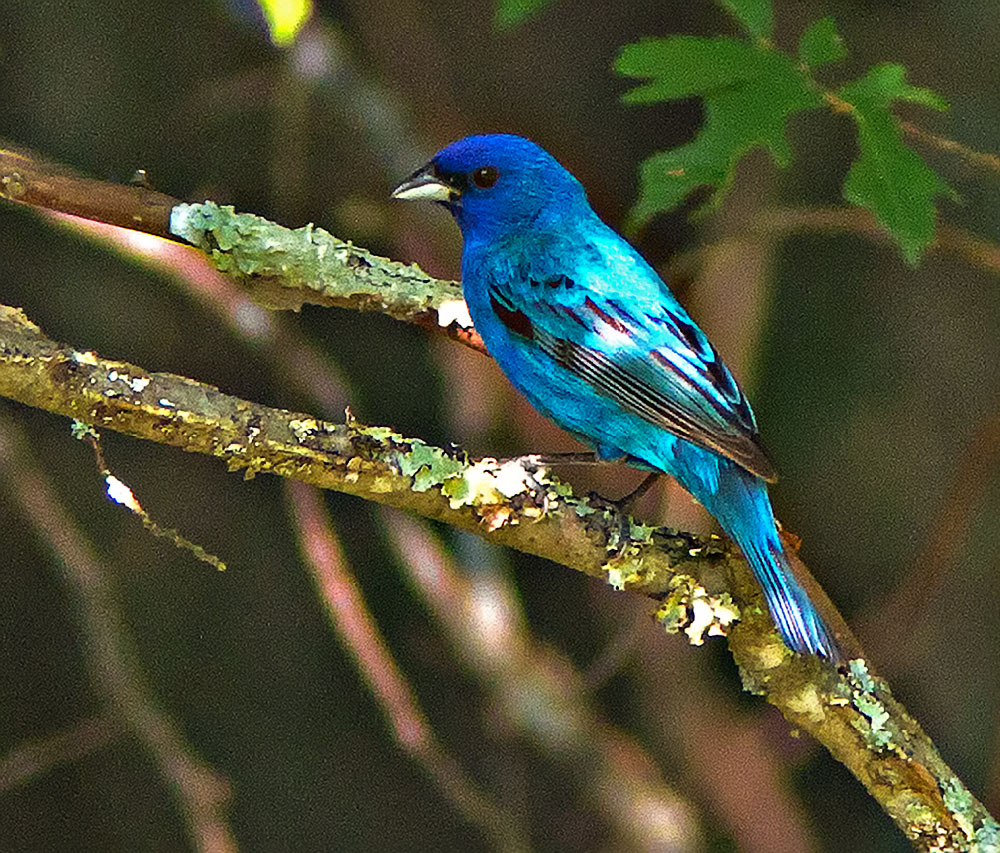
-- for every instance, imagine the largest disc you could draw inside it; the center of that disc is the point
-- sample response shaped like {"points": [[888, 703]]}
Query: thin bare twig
{"points": [[33, 758], [983, 160], [201, 793], [779, 222], [29, 179], [976, 158], [362, 638]]}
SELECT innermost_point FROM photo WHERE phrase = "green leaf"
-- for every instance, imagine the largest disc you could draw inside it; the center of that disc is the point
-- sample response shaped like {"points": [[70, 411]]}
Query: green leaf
{"points": [[512, 13], [748, 91], [756, 16], [887, 177], [821, 43], [886, 83], [683, 66]]}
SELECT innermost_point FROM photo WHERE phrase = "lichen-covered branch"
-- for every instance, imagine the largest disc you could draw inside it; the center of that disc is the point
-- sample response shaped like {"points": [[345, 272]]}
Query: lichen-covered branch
{"points": [[699, 583], [283, 268]]}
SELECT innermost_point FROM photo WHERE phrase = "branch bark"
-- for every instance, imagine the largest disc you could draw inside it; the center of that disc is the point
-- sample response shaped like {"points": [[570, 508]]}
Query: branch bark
{"points": [[700, 584]]}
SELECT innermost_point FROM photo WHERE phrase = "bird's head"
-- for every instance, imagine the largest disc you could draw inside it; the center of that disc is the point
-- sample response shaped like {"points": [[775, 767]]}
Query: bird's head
{"points": [[495, 183]]}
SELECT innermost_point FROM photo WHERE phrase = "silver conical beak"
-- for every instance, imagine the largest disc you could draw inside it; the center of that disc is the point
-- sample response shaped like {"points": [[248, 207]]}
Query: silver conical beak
{"points": [[423, 186]]}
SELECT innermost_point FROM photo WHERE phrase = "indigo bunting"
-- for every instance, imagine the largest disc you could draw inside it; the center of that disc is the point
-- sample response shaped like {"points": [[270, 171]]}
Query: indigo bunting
{"points": [[590, 334]]}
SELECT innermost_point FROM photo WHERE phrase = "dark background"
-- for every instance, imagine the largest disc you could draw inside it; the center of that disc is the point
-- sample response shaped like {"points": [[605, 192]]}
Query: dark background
{"points": [[876, 386]]}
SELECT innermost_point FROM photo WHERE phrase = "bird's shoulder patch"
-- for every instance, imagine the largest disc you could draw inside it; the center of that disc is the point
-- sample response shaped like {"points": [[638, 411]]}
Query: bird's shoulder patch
{"points": [[512, 317], [556, 282]]}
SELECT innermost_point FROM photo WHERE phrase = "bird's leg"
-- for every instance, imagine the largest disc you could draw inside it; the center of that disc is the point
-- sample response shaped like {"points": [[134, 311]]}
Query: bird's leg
{"points": [[626, 504]]}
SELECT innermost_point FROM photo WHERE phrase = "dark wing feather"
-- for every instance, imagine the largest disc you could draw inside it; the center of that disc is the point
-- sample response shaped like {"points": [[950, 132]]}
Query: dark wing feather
{"points": [[664, 370]]}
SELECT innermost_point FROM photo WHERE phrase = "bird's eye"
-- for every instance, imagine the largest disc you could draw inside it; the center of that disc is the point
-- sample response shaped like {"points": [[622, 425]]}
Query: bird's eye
{"points": [[485, 177]]}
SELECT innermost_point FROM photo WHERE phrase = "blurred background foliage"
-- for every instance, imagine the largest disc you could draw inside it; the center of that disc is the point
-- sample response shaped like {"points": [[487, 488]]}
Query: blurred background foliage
{"points": [[876, 386]]}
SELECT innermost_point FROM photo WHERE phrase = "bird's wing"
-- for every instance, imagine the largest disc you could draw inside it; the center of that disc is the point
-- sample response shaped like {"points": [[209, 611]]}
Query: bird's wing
{"points": [[644, 353]]}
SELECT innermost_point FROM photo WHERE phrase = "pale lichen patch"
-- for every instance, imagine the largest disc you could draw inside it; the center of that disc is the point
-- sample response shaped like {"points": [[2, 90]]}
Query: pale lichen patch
{"points": [[303, 428], [807, 701], [625, 569], [487, 485], [496, 516], [454, 311], [639, 532], [959, 801], [134, 384], [874, 721], [120, 493], [772, 655], [690, 608], [381, 485], [987, 837]]}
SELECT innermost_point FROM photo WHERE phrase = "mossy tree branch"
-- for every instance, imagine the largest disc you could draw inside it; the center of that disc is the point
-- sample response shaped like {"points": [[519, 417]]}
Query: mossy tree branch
{"points": [[700, 584]]}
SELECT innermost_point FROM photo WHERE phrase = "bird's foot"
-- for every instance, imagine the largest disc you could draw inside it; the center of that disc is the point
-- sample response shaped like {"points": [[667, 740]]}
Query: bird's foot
{"points": [[620, 534]]}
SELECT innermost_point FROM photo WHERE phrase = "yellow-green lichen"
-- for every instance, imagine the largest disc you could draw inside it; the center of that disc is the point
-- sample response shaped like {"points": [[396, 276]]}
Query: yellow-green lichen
{"points": [[483, 484], [429, 466], [379, 433], [987, 837], [624, 570], [918, 815], [80, 431], [808, 702], [760, 658], [303, 428], [966, 812], [639, 532]]}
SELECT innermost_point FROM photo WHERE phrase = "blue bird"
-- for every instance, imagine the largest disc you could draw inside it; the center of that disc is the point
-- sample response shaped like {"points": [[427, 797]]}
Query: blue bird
{"points": [[590, 334]]}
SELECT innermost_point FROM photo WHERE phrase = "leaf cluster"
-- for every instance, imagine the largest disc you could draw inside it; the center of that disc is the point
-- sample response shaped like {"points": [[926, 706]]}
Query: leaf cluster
{"points": [[750, 89]]}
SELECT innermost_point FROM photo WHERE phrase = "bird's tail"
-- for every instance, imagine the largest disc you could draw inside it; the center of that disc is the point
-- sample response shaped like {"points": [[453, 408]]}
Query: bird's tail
{"points": [[743, 509]]}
